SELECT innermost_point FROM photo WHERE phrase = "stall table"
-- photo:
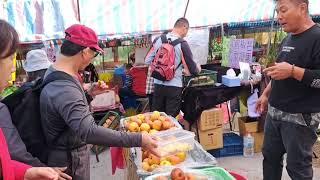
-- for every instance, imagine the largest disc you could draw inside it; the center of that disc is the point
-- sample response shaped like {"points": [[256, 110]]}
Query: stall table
{"points": [[197, 99]]}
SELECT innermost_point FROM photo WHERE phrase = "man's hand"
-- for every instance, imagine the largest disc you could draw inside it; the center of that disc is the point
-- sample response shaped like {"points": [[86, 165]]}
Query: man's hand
{"points": [[98, 88], [279, 71], [41, 173], [262, 104], [62, 175], [199, 67], [149, 143]]}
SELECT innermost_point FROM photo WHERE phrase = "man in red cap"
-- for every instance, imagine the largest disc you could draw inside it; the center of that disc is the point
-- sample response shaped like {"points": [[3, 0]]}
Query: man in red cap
{"points": [[67, 121]]}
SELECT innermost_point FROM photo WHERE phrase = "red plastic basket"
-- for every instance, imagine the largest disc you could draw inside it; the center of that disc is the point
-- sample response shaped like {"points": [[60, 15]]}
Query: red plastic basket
{"points": [[139, 77]]}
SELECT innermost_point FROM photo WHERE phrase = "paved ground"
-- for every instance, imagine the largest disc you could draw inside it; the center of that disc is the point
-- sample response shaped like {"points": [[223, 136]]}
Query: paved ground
{"points": [[102, 170], [252, 167], [249, 167]]}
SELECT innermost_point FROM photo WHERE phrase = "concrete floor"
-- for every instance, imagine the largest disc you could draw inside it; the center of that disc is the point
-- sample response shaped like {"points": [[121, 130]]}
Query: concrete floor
{"points": [[248, 167], [102, 170], [252, 167]]}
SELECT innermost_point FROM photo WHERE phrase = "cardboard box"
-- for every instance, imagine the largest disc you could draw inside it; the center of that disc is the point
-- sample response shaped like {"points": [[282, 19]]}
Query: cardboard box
{"points": [[247, 127], [210, 119], [235, 122], [258, 141], [210, 139]]}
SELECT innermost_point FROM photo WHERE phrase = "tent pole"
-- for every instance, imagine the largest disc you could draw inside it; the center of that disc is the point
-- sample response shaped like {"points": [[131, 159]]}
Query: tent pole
{"points": [[78, 11], [271, 30], [185, 11], [222, 30]]}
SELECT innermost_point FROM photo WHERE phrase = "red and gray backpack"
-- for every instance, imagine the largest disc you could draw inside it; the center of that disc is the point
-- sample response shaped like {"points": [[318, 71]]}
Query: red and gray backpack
{"points": [[163, 65]]}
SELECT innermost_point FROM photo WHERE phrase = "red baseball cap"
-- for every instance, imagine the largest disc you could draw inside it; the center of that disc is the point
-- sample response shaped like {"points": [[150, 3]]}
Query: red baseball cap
{"points": [[83, 36]]}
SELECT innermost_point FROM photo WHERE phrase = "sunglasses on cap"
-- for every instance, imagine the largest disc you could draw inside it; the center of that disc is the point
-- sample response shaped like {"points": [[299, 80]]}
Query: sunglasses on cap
{"points": [[96, 52]]}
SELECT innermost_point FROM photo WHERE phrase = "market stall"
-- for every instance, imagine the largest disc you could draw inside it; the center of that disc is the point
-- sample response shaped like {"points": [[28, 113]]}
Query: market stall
{"points": [[234, 38]]}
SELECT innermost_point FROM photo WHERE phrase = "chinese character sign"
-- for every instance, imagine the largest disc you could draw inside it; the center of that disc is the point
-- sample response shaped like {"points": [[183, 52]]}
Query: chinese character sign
{"points": [[240, 51]]}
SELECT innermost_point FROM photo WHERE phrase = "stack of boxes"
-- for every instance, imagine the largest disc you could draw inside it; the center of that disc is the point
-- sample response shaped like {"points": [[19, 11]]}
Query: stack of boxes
{"points": [[210, 130], [246, 126]]}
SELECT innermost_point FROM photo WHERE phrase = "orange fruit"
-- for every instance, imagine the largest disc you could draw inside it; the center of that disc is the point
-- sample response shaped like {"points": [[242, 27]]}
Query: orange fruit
{"points": [[174, 159], [181, 155], [155, 115], [149, 122], [145, 166], [157, 125], [145, 127], [133, 127], [154, 159], [166, 125], [141, 116]]}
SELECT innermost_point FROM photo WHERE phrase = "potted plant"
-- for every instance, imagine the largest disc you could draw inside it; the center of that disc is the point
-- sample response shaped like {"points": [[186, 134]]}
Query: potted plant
{"points": [[269, 59]]}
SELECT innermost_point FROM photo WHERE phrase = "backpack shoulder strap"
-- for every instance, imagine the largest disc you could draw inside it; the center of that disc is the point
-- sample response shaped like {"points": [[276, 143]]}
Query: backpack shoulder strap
{"points": [[164, 38], [59, 75], [177, 41]]}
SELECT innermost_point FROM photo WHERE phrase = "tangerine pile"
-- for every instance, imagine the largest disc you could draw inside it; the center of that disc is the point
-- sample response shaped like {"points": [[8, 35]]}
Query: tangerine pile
{"points": [[149, 123], [151, 162]]}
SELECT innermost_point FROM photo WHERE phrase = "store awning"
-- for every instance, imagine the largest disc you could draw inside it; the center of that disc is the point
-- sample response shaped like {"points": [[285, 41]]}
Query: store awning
{"points": [[40, 19], [47, 19], [136, 16]]}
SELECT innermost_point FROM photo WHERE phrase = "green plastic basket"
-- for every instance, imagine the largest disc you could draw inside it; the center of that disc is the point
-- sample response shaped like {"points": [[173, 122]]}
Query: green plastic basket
{"points": [[115, 123], [218, 173], [209, 74]]}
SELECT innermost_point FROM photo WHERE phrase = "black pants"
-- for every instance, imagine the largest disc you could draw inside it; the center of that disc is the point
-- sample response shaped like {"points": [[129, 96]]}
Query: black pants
{"points": [[285, 137], [150, 97], [77, 162], [125, 92], [167, 99]]}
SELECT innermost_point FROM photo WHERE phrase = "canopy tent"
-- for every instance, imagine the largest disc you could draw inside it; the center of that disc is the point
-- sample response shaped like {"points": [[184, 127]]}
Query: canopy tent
{"points": [[136, 16], [130, 16], [227, 11], [47, 19], [40, 19]]}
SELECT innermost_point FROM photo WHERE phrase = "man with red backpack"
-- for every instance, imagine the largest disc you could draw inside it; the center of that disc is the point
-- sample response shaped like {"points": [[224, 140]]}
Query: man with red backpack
{"points": [[167, 58]]}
